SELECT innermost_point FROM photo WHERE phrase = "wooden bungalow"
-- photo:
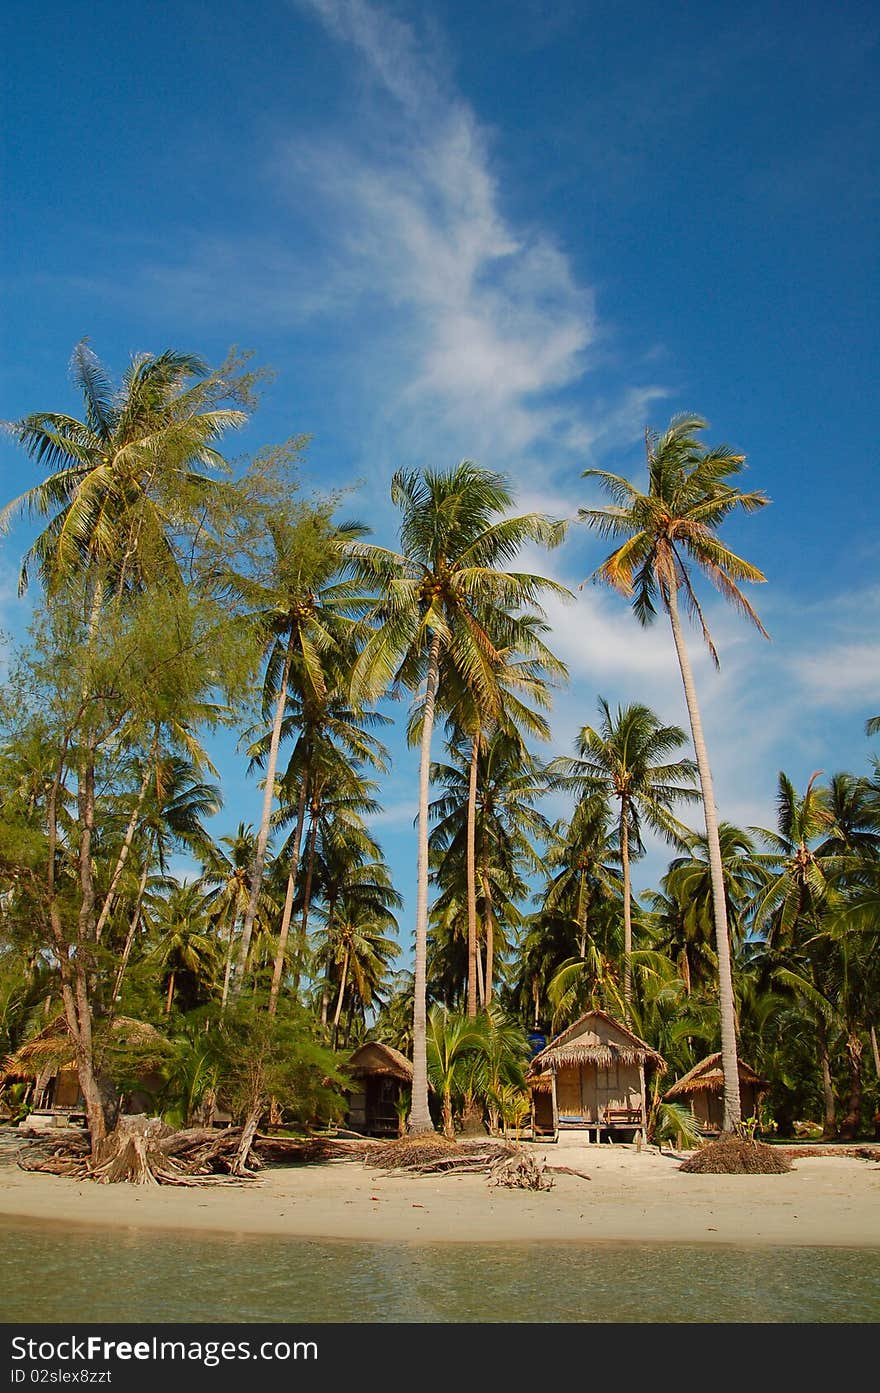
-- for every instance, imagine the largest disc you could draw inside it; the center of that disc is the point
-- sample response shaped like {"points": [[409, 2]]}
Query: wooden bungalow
{"points": [[380, 1076], [703, 1089], [45, 1063], [593, 1076]]}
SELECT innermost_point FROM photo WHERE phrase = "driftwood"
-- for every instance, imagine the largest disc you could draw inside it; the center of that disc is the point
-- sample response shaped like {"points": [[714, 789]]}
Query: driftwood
{"points": [[522, 1171], [569, 1170], [503, 1162], [144, 1151]]}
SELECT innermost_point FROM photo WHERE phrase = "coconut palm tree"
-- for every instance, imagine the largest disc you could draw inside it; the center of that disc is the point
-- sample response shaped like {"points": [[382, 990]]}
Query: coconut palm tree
{"points": [[626, 760], [227, 874], [126, 478], [526, 670], [434, 598], [332, 739], [500, 817], [667, 531], [179, 922], [301, 606], [789, 912], [683, 912], [582, 861], [450, 1041]]}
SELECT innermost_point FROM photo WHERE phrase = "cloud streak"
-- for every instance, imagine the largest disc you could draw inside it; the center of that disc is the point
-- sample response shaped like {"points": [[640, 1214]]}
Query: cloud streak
{"points": [[491, 327]]}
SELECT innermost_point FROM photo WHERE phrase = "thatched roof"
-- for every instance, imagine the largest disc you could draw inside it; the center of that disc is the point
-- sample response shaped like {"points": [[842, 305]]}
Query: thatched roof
{"points": [[375, 1060], [52, 1048], [708, 1077], [595, 1038]]}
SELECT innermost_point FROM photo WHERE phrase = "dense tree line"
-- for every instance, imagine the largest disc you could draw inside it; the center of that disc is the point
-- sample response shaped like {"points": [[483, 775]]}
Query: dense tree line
{"points": [[179, 597]]}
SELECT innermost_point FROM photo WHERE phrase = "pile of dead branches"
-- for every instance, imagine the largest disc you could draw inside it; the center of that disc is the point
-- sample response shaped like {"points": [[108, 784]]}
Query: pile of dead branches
{"points": [[731, 1155], [503, 1162], [144, 1151]]}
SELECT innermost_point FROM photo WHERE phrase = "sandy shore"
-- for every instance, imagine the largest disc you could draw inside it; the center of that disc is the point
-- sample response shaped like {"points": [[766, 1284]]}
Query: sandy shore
{"points": [[630, 1196]]}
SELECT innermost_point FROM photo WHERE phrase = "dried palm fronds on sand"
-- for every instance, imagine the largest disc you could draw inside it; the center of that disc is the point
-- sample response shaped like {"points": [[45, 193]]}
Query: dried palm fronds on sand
{"points": [[731, 1155], [505, 1163]]}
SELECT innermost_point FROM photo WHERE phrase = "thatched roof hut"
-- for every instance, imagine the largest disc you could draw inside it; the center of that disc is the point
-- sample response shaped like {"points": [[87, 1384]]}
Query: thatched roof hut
{"points": [[47, 1060], [703, 1089], [592, 1076], [381, 1077]]}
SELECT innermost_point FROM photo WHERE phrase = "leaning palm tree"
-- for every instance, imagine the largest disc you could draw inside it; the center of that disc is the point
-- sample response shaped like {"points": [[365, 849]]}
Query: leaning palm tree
{"points": [[668, 530], [435, 599], [626, 760]]}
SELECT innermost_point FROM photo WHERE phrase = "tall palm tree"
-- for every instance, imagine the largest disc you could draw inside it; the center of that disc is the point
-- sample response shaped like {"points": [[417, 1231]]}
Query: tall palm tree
{"points": [[525, 671], [332, 741], [301, 606], [626, 760], [357, 948], [435, 596], [668, 530], [126, 478], [582, 863], [228, 873], [790, 910], [505, 824]]}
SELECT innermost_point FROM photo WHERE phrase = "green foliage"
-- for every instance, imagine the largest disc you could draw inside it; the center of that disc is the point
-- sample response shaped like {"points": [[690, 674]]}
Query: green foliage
{"points": [[261, 1057], [673, 1122]]}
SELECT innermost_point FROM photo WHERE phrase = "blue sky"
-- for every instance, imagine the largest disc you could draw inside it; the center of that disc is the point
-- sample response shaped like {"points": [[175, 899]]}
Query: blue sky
{"points": [[513, 233]]}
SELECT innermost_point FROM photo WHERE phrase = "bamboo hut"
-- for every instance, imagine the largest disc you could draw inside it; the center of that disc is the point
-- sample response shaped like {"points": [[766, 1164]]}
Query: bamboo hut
{"points": [[381, 1077], [703, 1089], [593, 1076], [46, 1063]]}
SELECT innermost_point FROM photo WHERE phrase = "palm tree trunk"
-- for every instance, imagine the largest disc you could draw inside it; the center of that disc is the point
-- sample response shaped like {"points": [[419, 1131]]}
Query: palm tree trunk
{"points": [[338, 1012], [471, 859], [419, 1116], [829, 1127], [278, 969], [263, 838], [169, 998], [122, 857], [627, 911], [490, 936], [726, 1001], [74, 986], [875, 1051], [307, 888], [132, 930], [582, 914], [227, 974], [852, 1122]]}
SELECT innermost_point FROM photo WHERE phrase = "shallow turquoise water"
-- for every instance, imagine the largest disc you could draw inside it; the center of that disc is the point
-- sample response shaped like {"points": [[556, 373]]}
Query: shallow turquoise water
{"points": [[53, 1273]]}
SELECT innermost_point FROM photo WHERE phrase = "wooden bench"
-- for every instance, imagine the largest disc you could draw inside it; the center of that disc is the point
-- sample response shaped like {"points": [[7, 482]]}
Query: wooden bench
{"points": [[623, 1117]]}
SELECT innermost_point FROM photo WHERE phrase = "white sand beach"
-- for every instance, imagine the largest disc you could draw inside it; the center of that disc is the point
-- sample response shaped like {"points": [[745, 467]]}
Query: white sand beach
{"points": [[630, 1196]]}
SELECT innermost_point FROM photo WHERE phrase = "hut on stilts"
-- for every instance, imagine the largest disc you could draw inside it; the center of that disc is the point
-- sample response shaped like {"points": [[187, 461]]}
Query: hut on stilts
{"points": [[593, 1077]]}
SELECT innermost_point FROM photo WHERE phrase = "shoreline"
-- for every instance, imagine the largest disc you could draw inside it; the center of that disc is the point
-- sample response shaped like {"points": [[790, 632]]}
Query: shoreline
{"points": [[631, 1197]]}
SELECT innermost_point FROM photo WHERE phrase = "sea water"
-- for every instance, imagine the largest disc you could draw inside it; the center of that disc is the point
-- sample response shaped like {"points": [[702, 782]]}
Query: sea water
{"points": [[57, 1273]]}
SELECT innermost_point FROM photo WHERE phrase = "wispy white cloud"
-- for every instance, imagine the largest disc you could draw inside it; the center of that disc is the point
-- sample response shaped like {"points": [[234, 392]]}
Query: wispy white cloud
{"points": [[841, 674], [491, 325]]}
